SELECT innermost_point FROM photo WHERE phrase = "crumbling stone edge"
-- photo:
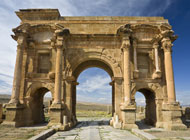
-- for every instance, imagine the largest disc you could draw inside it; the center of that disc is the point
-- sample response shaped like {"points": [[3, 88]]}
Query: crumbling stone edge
{"points": [[43, 135], [144, 135]]}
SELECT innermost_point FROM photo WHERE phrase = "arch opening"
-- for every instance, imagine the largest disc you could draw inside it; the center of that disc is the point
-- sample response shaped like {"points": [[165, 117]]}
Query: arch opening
{"points": [[146, 108], [94, 77], [41, 101]]}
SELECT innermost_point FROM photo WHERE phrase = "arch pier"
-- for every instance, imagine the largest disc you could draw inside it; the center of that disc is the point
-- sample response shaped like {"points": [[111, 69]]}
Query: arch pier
{"points": [[53, 50]]}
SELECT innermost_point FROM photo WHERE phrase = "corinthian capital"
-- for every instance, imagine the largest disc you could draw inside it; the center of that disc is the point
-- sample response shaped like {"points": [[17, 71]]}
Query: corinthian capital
{"points": [[62, 32], [125, 30], [155, 45], [125, 44], [167, 32], [167, 44], [60, 37], [21, 30]]}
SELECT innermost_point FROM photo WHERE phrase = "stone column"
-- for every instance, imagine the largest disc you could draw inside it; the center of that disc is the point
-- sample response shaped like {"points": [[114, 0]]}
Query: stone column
{"points": [[113, 97], [58, 109], [126, 69], [155, 46], [17, 71], [127, 114], [167, 46], [58, 75], [136, 71], [68, 102], [157, 73]]}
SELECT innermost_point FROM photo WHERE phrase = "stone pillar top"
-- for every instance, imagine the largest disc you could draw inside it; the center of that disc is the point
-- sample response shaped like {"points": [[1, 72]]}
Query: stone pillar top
{"points": [[125, 32], [70, 79], [167, 44], [155, 45], [60, 37], [21, 34]]}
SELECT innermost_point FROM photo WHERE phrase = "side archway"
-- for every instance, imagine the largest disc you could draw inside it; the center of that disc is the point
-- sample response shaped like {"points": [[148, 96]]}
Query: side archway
{"points": [[35, 101], [150, 104]]}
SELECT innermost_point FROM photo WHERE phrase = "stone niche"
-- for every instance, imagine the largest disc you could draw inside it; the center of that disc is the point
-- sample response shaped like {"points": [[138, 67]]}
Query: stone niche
{"points": [[42, 37], [44, 64]]}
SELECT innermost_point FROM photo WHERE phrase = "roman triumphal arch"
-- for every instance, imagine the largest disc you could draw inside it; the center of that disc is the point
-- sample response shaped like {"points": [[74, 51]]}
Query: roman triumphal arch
{"points": [[53, 50]]}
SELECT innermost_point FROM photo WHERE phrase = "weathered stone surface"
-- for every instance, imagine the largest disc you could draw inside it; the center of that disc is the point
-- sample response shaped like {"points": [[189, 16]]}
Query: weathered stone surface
{"points": [[1, 112], [53, 50]]}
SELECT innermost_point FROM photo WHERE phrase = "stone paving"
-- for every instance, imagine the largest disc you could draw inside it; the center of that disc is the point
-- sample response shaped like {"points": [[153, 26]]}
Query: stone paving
{"points": [[94, 129]]}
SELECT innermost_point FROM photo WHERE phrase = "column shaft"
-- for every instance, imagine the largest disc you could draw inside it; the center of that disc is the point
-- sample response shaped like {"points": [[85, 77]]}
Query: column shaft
{"points": [[135, 59], [17, 76], [127, 76], [169, 77], [58, 76], [156, 58]]}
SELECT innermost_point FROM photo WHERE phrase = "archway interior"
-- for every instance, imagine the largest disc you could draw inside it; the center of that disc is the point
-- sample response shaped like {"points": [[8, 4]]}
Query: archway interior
{"points": [[41, 100], [146, 111], [93, 77]]}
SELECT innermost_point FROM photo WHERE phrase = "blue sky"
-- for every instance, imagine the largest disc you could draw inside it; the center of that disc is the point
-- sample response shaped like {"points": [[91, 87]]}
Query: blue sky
{"points": [[176, 11]]}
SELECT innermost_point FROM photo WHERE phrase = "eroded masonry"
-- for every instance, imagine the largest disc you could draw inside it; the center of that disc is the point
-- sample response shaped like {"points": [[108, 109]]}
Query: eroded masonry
{"points": [[53, 50]]}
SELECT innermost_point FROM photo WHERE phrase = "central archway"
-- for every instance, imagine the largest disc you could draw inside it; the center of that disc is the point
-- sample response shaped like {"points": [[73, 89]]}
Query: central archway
{"points": [[84, 66]]}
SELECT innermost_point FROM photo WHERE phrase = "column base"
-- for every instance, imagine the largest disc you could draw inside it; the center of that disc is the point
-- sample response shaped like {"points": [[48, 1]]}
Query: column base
{"points": [[175, 126], [128, 116], [56, 113], [172, 116], [14, 115], [157, 75], [159, 125], [115, 122], [136, 74]]}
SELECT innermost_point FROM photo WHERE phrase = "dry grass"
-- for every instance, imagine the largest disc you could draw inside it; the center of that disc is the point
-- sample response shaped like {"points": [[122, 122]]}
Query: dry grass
{"points": [[91, 113], [12, 133]]}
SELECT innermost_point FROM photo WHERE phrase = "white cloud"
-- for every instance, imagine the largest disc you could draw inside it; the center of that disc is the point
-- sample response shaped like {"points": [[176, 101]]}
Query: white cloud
{"points": [[183, 97], [94, 88], [5, 84], [94, 83]]}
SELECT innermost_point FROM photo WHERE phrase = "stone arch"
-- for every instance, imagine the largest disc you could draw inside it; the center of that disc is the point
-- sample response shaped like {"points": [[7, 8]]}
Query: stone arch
{"points": [[34, 97], [150, 93], [37, 85], [108, 60], [155, 88], [92, 59]]}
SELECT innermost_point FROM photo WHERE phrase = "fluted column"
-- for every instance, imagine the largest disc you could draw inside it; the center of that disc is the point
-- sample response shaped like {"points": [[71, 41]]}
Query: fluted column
{"points": [[155, 46], [17, 71], [167, 46], [126, 69], [58, 75], [59, 44], [136, 71]]}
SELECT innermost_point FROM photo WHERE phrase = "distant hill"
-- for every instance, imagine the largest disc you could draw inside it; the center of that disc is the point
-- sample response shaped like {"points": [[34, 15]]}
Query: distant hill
{"points": [[4, 98]]}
